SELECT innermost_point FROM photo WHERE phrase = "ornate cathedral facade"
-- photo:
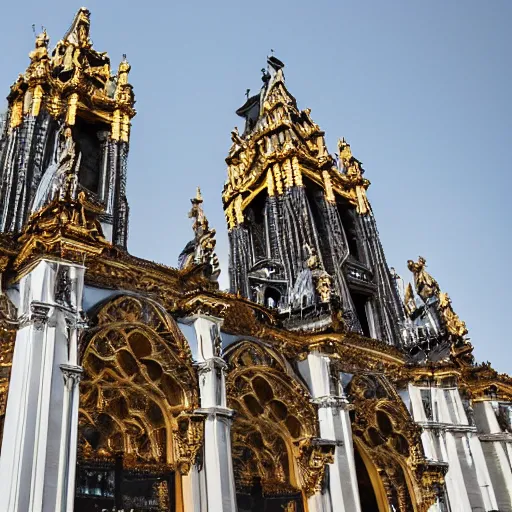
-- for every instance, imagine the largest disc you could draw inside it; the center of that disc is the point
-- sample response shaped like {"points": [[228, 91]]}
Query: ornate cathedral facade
{"points": [[319, 383]]}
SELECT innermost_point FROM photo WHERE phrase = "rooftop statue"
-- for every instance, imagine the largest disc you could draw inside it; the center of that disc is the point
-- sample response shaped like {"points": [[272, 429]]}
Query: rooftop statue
{"points": [[426, 286], [354, 171], [200, 250], [454, 324]]}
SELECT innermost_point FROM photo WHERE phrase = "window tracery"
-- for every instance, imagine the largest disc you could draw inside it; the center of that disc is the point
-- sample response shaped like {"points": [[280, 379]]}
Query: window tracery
{"points": [[139, 389], [275, 431]]}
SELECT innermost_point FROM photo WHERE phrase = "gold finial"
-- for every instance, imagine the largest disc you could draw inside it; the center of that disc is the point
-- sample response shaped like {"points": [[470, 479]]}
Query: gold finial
{"points": [[199, 197]]}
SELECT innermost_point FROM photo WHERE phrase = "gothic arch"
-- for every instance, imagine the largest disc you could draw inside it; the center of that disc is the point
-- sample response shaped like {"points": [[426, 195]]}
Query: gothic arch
{"points": [[139, 389], [388, 439], [275, 426]]}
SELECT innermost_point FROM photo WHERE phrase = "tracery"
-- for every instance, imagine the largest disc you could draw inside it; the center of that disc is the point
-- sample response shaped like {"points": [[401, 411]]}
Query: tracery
{"points": [[275, 428], [137, 400]]}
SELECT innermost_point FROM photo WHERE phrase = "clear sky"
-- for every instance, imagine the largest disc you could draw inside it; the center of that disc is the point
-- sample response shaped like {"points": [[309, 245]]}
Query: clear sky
{"points": [[420, 89]]}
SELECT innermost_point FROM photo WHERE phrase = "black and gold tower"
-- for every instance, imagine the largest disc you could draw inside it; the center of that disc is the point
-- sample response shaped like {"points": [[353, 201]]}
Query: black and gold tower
{"points": [[68, 94], [303, 236]]}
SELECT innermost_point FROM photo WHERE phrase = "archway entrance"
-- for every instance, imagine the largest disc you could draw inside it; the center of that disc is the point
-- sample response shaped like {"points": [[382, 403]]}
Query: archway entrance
{"points": [[137, 430]]}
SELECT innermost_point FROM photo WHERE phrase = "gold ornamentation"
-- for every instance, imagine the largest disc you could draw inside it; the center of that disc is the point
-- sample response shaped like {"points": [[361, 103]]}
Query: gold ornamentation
{"points": [[116, 125], [453, 323], [274, 429], [409, 302], [125, 128], [278, 179], [288, 173], [239, 214], [189, 439], [76, 77], [324, 287], [230, 216], [426, 286], [16, 113], [72, 107], [36, 100], [297, 174], [270, 183], [139, 387], [329, 194]]}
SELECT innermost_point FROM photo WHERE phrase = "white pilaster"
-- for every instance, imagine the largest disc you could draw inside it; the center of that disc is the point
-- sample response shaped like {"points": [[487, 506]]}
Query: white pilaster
{"points": [[39, 445], [216, 474], [335, 426]]}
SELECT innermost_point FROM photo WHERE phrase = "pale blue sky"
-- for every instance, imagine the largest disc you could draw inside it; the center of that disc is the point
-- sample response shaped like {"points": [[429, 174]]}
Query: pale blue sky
{"points": [[421, 90]]}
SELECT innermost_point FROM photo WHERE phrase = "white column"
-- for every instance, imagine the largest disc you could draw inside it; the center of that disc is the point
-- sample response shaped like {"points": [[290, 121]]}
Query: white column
{"points": [[457, 492], [216, 477], [39, 445], [335, 426], [482, 473]]}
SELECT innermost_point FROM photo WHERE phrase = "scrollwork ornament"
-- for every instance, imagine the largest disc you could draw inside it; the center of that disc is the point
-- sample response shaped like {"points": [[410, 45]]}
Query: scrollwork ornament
{"points": [[189, 439]]}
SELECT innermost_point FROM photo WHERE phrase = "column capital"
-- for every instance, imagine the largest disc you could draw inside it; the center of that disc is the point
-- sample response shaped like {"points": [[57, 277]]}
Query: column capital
{"points": [[214, 363], [333, 402], [38, 315], [72, 374]]}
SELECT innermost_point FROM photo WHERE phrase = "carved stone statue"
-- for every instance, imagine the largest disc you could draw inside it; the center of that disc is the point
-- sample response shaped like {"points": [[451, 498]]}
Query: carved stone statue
{"points": [[201, 250], [60, 180], [426, 286]]}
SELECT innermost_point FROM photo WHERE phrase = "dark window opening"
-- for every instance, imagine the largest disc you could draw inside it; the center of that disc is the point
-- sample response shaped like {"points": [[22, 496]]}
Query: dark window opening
{"points": [[272, 297], [255, 220], [364, 483], [89, 146], [347, 215], [253, 500], [360, 305], [315, 197]]}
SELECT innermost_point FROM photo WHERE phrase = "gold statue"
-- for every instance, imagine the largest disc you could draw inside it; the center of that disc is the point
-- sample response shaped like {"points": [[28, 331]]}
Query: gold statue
{"points": [[324, 287], [453, 323], [426, 286], [344, 151], [353, 170], [409, 302], [39, 56]]}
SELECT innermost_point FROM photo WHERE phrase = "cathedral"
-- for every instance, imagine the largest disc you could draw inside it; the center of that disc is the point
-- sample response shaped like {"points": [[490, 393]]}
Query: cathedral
{"points": [[321, 382]]}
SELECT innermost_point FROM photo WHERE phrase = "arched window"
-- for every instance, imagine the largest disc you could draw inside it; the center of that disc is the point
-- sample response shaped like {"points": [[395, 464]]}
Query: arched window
{"points": [[136, 426]]}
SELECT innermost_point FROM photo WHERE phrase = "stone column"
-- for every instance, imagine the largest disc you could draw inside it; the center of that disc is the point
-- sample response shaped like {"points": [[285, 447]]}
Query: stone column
{"points": [[495, 446], [39, 445], [216, 478], [335, 426]]}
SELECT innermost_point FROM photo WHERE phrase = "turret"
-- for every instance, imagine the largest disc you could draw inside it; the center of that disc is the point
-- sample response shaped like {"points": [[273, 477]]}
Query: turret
{"points": [[71, 91], [302, 234]]}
